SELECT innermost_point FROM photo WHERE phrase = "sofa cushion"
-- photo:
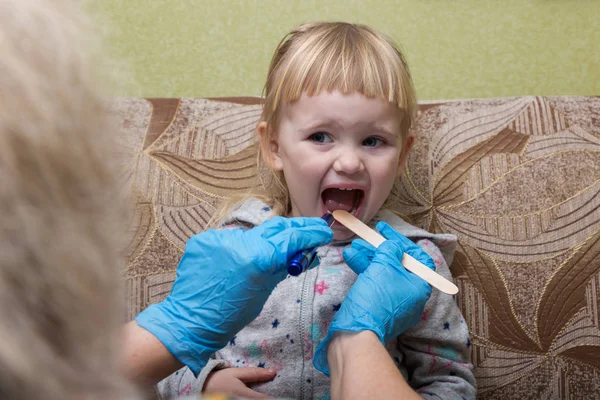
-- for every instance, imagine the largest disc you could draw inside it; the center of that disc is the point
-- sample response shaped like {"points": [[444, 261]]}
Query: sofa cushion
{"points": [[516, 179]]}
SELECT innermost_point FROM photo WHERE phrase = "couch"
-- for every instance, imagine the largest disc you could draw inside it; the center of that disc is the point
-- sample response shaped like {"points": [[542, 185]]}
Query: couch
{"points": [[516, 179]]}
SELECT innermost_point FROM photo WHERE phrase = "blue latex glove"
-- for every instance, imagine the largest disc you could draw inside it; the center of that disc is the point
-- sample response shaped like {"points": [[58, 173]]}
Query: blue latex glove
{"points": [[223, 280], [386, 298], [359, 256]]}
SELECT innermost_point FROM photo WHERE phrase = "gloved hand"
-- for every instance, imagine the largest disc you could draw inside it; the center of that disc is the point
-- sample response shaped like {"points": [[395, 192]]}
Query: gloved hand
{"points": [[386, 298], [359, 256], [223, 280]]}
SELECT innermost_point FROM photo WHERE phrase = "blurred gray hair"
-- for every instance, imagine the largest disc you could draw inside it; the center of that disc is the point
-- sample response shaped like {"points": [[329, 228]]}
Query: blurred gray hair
{"points": [[60, 293]]}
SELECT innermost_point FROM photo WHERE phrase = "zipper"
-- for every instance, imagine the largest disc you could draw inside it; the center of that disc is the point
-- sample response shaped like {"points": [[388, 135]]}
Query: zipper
{"points": [[302, 327]]}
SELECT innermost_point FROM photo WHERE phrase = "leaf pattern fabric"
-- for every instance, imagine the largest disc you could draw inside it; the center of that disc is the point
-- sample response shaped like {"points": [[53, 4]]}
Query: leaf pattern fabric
{"points": [[516, 179]]}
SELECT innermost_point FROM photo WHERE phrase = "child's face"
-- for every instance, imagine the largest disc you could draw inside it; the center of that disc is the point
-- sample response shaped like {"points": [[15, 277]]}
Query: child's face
{"points": [[332, 141]]}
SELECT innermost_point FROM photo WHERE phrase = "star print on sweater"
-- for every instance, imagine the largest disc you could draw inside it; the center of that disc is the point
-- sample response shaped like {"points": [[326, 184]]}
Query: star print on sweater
{"points": [[321, 287], [298, 313]]}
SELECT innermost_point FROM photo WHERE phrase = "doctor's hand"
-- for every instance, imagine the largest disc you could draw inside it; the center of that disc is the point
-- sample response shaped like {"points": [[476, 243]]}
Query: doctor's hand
{"points": [[386, 298], [223, 280]]}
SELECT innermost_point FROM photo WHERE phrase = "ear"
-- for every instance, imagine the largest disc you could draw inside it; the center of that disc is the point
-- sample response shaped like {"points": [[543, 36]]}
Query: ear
{"points": [[269, 147], [408, 144]]}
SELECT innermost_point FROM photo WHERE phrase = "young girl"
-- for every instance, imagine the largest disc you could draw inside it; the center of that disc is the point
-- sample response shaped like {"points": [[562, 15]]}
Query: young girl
{"points": [[334, 132]]}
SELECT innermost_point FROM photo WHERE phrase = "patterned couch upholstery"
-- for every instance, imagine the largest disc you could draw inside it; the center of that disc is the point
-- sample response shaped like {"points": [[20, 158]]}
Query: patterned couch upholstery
{"points": [[517, 179]]}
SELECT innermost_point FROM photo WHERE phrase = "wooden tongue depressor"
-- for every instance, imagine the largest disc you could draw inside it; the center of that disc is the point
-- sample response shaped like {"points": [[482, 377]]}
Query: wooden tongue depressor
{"points": [[409, 262]]}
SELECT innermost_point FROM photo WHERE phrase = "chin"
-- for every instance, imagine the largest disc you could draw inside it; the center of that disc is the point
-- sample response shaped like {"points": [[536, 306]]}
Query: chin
{"points": [[341, 233]]}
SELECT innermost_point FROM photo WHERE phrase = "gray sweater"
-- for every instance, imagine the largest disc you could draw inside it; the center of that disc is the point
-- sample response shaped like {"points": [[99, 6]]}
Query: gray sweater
{"points": [[433, 356]]}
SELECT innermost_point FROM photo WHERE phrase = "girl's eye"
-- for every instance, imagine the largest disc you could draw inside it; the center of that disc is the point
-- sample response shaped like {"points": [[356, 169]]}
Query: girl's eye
{"points": [[373, 142], [320, 137]]}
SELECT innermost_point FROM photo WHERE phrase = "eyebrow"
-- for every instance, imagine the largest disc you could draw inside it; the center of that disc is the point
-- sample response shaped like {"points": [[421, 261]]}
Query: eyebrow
{"points": [[321, 125], [334, 124]]}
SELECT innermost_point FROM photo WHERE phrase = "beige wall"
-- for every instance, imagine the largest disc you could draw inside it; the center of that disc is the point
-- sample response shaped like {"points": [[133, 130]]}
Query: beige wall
{"points": [[456, 48]]}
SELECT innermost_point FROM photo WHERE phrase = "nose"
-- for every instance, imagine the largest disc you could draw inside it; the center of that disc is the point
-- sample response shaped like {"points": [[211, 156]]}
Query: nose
{"points": [[348, 161]]}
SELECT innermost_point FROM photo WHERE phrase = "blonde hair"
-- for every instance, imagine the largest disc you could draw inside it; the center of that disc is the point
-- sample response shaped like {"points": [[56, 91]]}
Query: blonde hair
{"points": [[327, 56], [60, 290]]}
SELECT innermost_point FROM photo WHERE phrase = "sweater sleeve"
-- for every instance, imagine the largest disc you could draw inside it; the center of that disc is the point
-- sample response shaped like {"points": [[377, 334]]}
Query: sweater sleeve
{"points": [[184, 383], [436, 352]]}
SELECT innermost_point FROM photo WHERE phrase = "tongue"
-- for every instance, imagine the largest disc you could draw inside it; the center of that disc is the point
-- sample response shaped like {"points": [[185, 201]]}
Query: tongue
{"points": [[335, 199]]}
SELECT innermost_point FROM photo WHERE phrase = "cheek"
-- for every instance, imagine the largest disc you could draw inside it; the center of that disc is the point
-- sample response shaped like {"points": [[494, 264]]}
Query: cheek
{"points": [[384, 186], [383, 177], [387, 168], [303, 162]]}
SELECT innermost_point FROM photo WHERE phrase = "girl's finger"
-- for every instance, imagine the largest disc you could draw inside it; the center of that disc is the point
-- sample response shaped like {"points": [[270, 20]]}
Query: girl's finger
{"points": [[253, 374]]}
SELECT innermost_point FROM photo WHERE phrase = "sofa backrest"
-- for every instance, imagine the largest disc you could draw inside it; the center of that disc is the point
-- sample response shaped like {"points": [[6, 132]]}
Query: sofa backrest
{"points": [[516, 179]]}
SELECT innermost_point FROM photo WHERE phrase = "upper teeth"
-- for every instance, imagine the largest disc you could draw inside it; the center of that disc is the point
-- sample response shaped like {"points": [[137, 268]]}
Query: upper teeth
{"points": [[345, 189]]}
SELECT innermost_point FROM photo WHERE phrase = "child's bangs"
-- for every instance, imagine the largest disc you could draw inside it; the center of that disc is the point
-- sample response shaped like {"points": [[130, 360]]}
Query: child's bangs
{"points": [[351, 63]]}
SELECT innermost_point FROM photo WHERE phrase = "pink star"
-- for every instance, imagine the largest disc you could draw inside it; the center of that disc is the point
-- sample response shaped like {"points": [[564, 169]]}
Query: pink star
{"points": [[186, 390], [321, 287]]}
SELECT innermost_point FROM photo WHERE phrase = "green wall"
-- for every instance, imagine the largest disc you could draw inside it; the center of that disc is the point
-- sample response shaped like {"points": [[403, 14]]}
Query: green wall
{"points": [[456, 48]]}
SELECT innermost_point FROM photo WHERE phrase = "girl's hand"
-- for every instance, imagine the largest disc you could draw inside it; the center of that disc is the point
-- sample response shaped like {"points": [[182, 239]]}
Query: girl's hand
{"points": [[234, 381]]}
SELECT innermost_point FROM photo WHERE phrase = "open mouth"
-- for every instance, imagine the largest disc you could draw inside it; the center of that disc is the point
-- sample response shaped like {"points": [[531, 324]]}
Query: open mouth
{"points": [[342, 199]]}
